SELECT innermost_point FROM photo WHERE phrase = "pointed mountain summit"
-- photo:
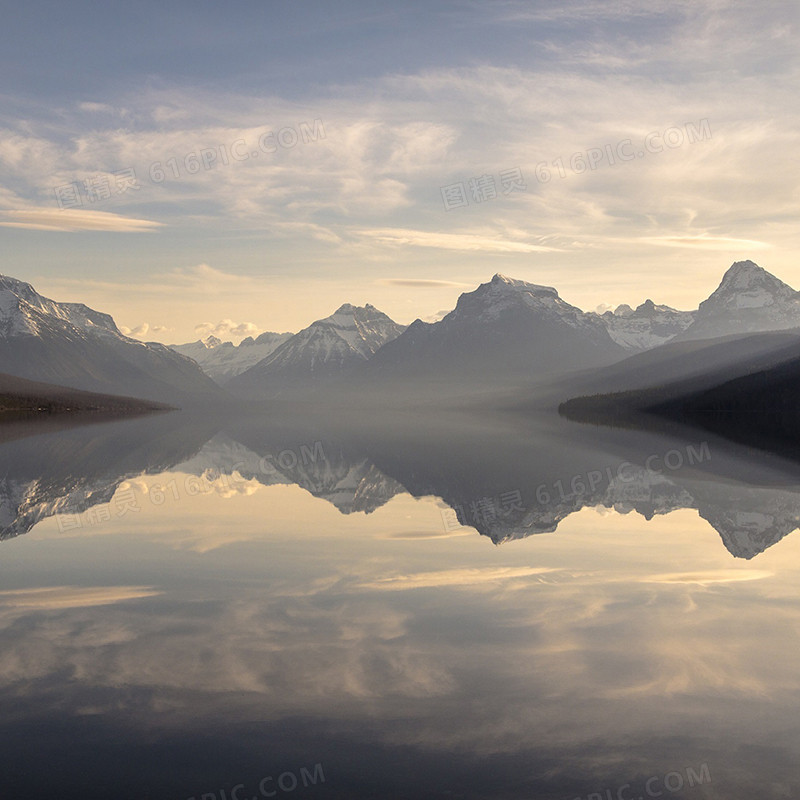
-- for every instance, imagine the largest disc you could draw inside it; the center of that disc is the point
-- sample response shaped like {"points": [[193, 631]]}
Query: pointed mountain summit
{"points": [[327, 349], [70, 344], [748, 299], [505, 331], [746, 285]]}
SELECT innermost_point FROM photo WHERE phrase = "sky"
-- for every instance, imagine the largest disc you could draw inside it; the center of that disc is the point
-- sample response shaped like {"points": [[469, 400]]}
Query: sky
{"points": [[233, 169]]}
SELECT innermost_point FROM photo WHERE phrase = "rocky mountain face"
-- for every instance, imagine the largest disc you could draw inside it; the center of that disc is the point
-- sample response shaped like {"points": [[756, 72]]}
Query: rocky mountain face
{"points": [[70, 344], [505, 327]]}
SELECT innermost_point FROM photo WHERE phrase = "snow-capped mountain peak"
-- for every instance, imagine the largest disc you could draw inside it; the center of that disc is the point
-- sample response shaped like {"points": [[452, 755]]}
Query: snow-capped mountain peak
{"points": [[326, 348], [24, 311], [503, 296], [362, 329], [70, 344], [746, 285], [748, 299]]}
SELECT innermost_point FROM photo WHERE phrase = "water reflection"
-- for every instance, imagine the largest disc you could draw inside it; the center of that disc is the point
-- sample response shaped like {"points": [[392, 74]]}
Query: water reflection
{"points": [[504, 482], [299, 598]]}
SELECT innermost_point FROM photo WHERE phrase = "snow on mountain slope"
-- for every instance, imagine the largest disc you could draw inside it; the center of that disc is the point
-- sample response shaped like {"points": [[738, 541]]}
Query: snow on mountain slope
{"points": [[70, 344], [327, 348], [748, 299], [648, 326], [222, 361]]}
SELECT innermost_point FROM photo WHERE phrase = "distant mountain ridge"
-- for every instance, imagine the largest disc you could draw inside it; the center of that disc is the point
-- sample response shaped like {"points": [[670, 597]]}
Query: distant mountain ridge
{"points": [[222, 361], [647, 326]]}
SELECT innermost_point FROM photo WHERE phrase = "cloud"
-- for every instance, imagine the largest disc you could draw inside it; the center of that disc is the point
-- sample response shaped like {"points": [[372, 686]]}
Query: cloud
{"points": [[707, 242], [198, 279], [453, 577], [392, 141], [52, 219], [58, 597], [709, 577], [93, 107], [439, 315], [138, 331], [422, 283], [227, 328], [452, 241]]}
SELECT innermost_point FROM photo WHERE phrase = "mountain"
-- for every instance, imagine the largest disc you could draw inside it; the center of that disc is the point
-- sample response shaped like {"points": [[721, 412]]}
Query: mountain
{"points": [[748, 299], [503, 331], [647, 326], [221, 361], [70, 344], [326, 350]]}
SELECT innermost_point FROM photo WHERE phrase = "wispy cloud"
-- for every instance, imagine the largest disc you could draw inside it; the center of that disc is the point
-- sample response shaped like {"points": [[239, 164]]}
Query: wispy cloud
{"points": [[452, 241], [421, 283], [707, 242], [59, 597], [68, 219], [453, 578], [710, 577], [200, 279]]}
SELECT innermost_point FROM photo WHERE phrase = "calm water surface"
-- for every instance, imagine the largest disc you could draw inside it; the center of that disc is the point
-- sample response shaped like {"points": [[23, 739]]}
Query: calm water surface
{"points": [[447, 607]]}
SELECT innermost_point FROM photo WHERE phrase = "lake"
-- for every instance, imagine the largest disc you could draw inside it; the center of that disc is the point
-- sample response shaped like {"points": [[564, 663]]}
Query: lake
{"points": [[399, 605]]}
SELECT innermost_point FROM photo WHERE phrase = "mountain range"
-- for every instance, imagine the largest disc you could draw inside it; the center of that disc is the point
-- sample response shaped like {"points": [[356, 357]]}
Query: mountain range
{"points": [[505, 333], [509, 332], [222, 361]]}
